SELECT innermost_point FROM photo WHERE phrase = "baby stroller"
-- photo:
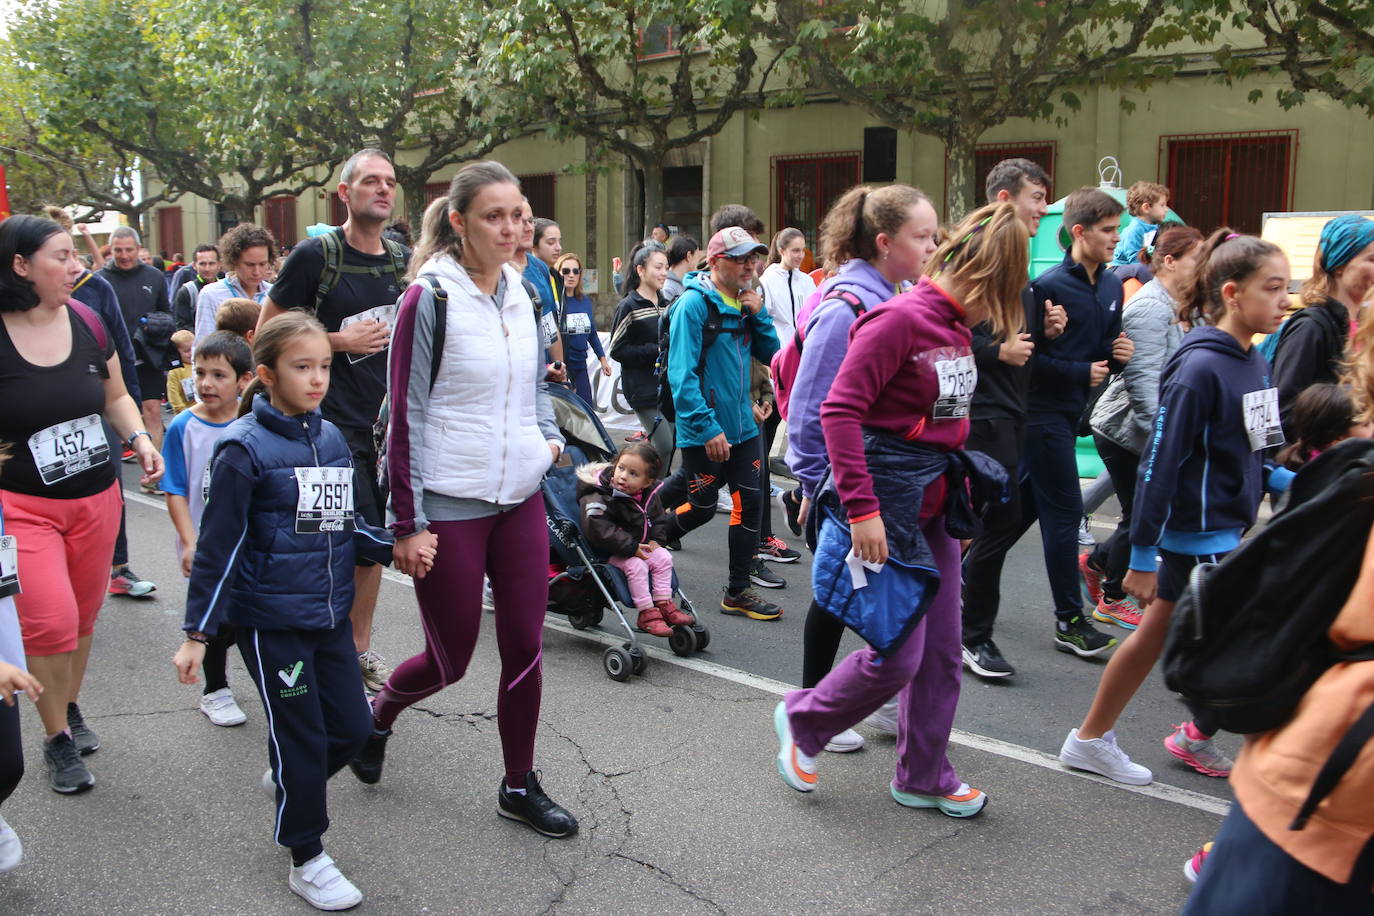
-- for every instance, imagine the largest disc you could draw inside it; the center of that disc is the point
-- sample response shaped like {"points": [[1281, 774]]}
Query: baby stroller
{"points": [[582, 584]]}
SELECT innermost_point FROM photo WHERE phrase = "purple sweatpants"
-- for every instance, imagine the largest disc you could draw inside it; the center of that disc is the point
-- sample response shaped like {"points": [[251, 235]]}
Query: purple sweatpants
{"points": [[639, 571], [513, 549], [926, 672]]}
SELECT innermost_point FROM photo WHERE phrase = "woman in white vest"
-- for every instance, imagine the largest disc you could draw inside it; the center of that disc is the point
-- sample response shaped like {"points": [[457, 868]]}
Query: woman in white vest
{"points": [[785, 287], [466, 448]]}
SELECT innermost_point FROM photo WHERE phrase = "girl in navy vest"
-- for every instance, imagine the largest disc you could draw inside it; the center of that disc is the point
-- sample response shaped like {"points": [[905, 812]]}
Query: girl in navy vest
{"points": [[275, 559], [1201, 479]]}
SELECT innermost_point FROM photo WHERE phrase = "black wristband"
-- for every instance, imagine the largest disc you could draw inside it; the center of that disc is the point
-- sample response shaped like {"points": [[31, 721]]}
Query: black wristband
{"points": [[198, 638]]}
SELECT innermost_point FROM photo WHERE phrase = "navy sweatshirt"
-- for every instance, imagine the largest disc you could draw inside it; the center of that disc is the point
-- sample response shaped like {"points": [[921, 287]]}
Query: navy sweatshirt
{"points": [[1061, 368], [1202, 474]]}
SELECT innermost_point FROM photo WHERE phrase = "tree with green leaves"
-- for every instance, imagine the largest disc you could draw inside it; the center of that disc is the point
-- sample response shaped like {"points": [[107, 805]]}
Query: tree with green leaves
{"points": [[1324, 46], [954, 70], [637, 78]]}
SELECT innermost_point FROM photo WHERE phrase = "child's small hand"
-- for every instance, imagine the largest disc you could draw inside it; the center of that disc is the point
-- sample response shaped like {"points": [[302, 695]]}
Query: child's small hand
{"points": [[188, 557], [188, 660], [644, 550], [16, 680]]}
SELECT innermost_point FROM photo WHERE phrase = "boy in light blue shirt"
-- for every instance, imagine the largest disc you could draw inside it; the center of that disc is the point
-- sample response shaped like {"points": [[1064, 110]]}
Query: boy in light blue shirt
{"points": [[1148, 203]]}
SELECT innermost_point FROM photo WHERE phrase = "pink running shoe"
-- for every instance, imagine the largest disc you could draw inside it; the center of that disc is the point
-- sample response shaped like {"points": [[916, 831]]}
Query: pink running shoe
{"points": [[1198, 754], [1091, 577]]}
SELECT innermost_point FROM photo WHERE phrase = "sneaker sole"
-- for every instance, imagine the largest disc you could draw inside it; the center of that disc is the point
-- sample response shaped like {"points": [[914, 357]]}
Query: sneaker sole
{"points": [[1190, 872], [971, 664], [764, 583], [752, 615], [72, 790], [947, 809], [1077, 763], [1107, 618], [345, 904], [832, 748], [512, 816], [780, 727], [787, 516], [1193, 761], [769, 558], [1082, 653], [225, 723]]}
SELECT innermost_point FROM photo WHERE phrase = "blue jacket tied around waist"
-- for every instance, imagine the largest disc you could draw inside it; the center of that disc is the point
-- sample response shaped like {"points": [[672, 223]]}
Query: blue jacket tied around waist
{"points": [[887, 609], [254, 565]]}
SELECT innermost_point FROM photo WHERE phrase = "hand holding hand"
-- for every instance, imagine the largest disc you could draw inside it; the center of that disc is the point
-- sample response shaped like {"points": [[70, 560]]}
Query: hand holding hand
{"points": [[414, 555]]}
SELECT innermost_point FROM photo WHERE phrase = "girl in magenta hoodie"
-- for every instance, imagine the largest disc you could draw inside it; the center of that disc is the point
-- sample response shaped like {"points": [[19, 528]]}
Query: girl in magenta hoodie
{"points": [[908, 373]]}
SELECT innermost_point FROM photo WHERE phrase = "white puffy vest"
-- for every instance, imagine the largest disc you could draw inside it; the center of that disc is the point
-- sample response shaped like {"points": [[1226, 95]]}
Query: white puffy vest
{"points": [[481, 436]]}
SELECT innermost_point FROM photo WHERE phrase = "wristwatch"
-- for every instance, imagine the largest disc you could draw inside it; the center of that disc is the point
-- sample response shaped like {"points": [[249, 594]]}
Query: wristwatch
{"points": [[135, 434]]}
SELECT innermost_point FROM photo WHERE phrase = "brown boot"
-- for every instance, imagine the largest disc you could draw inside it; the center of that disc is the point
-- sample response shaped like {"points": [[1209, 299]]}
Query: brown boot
{"points": [[674, 615], [651, 622]]}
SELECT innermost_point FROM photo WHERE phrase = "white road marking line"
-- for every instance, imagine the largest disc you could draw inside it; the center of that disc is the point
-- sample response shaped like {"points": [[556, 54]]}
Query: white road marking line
{"points": [[1161, 791]]}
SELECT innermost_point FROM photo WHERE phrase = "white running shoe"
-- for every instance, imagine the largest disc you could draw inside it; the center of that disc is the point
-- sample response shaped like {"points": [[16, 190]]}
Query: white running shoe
{"points": [[323, 886], [11, 850], [219, 707], [724, 502], [269, 785], [1103, 757], [488, 602], [884, 718], [845, 742]]}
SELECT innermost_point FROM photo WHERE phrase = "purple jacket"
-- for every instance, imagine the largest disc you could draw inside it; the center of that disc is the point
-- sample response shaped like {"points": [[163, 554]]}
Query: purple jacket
{"points": [[827, 339]]}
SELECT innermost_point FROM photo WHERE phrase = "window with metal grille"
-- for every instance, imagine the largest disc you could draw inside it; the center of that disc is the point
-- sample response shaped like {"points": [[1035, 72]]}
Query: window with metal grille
{"points": [[435, 190], [539, 189], [985, 157], [1229, 179], [807, 186], [169, 231], [338, 210], [279, 215], [224, 220]]}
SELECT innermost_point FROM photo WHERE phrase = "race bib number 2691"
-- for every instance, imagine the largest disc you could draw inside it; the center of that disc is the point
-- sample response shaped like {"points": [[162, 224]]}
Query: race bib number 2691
{"points": [[324, 501]]}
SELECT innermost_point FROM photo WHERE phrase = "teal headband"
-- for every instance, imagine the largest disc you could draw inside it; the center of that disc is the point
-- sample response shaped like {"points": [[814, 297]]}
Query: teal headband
{"points": [[1343, 238]]}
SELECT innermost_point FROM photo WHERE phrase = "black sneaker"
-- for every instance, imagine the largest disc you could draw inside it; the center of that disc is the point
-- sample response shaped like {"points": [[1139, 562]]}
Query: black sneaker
{"points": [[747, 603], [790, 500], [85, 740], [673, 543], [763, 577], [536, 809], [367, 766], [1081, 638], [984, 660], [778, 468], [66, 773], [775, 550]]}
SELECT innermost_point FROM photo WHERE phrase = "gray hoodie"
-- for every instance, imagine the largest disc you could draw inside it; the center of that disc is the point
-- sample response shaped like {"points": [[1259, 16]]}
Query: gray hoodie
{"points": [[1125, 413]]}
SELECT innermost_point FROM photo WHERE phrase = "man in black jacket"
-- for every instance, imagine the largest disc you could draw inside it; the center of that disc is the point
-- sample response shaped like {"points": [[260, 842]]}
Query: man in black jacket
{"points": [[188, 283], [141, 289]]}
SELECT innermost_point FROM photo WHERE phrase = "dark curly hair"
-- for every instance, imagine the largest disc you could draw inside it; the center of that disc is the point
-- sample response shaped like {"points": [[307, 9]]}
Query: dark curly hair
{"points": [[239, 239]]}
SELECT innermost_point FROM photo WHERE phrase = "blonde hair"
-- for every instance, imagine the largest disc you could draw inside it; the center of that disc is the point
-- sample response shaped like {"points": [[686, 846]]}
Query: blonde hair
{"points": [[1144, 193], [986, 256], [1359, 369], [237, 315], [183, 338], [269, 343]]}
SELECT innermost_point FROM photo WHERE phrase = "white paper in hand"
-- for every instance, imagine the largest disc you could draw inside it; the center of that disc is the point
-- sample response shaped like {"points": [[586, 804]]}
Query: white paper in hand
{"points": [[857, 577]]}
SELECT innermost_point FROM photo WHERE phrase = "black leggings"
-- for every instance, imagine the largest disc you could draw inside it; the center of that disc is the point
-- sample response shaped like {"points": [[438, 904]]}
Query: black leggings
{"points": [[690, 495], [820, 644], [11, 750], [770, 432], [216, 658], [1114, 554]]}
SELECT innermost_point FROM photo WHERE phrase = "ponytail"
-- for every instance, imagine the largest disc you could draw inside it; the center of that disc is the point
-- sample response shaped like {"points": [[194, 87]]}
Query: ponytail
{"points": [[1227, 257], [851, 228]]}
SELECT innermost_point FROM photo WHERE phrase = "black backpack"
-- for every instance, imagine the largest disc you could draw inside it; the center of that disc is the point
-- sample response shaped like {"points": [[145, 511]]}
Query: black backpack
{"points": [[712, 329], [153, 341], [334, 266], [1249, 635]]}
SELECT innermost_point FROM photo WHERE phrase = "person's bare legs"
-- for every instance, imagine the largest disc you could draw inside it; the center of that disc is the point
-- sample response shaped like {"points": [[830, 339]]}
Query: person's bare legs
{"points": [[1132, 662], [152, 421], [367, 582], [80, 658], [54, 672]]}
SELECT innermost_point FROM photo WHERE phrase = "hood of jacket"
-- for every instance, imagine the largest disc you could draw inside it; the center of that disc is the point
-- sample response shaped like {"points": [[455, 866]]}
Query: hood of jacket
{"points": [[863, 278]]}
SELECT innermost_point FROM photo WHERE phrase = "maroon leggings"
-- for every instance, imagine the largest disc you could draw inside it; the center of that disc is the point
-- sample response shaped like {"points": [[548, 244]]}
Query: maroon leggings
{"points": [[513, 549]]}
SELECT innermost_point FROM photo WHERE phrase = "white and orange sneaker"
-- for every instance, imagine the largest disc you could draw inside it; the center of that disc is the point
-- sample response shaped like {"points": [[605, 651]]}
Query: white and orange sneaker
{"points": [[795, 768], [962, 802]]}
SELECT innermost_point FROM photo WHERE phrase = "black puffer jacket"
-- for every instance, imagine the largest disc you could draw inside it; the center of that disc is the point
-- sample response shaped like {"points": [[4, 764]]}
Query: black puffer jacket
{"points": [[634, 344], [614, 521]]}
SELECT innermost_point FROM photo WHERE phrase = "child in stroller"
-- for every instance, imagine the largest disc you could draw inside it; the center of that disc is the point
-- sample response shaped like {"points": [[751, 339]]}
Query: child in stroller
{"points": [[622, 517]]}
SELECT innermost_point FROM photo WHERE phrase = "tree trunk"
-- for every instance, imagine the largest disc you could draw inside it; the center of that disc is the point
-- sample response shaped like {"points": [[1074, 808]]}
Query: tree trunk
{"points": [[632, 214], [653, 194], [412, 186], [242, 209], [590, 254], [959, 170]]}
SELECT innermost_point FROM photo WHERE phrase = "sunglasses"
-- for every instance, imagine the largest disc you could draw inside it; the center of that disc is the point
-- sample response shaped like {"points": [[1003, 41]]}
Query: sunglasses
{"points": [[571, 271]]}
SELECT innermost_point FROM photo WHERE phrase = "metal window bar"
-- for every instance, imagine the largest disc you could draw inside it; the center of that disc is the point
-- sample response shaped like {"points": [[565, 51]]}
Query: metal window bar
{"points": [[1229, 179]]}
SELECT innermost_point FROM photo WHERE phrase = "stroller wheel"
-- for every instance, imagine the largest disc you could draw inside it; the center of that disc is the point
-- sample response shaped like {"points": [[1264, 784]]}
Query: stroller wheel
{"points": [[582, 620], [638, 660], [703, 636], [617, 663], [682, 641]]}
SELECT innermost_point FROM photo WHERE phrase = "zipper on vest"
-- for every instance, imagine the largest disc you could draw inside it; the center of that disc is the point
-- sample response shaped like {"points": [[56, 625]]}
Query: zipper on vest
{"points": [[329, 538], [510, 376]]}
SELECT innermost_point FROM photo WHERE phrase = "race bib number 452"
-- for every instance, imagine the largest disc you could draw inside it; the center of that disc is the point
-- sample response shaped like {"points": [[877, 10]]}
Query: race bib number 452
{"points": [[1262, 418], [324, 500], [66, 449], [957, 378]]}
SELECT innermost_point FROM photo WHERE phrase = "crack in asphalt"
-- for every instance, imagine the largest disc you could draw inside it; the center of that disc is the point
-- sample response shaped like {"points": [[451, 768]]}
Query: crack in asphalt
{"points": [[668, 878], [920, 850]]}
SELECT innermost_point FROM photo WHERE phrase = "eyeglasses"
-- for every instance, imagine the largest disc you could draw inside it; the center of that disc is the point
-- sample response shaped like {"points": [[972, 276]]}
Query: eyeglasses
{"points": [[571, 271], [749, 258]]}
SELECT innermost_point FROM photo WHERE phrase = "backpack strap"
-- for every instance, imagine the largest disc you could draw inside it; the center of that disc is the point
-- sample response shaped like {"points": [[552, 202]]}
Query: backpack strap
{"points": [[440, 324], [1341, 759], [398, 258], [332, 245], [93, 322], [853, 301]]}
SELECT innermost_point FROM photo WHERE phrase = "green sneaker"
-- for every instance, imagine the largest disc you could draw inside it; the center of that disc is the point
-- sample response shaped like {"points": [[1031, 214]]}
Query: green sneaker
{"points": [[1081, 638]]}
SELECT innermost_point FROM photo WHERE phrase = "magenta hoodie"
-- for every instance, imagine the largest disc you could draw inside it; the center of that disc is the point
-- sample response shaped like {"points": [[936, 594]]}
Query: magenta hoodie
{"points": [[908, 371]]}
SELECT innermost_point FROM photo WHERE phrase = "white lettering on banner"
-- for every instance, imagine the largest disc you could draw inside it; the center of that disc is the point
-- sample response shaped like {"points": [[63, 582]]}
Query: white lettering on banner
{"points": [[386, 314], [609, 399], [1261, 410], [324, 500], [66, 449], [957, 377], [9, 566]]}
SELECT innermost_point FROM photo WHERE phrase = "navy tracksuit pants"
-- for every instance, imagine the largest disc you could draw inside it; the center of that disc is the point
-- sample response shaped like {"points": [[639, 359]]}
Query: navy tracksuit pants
{"points": [[318, 719]]}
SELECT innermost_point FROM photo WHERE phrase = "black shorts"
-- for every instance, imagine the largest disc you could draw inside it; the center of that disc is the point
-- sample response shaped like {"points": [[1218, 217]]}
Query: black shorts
{"points": [[152, 384], [367, 492], [1176, 568]]}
